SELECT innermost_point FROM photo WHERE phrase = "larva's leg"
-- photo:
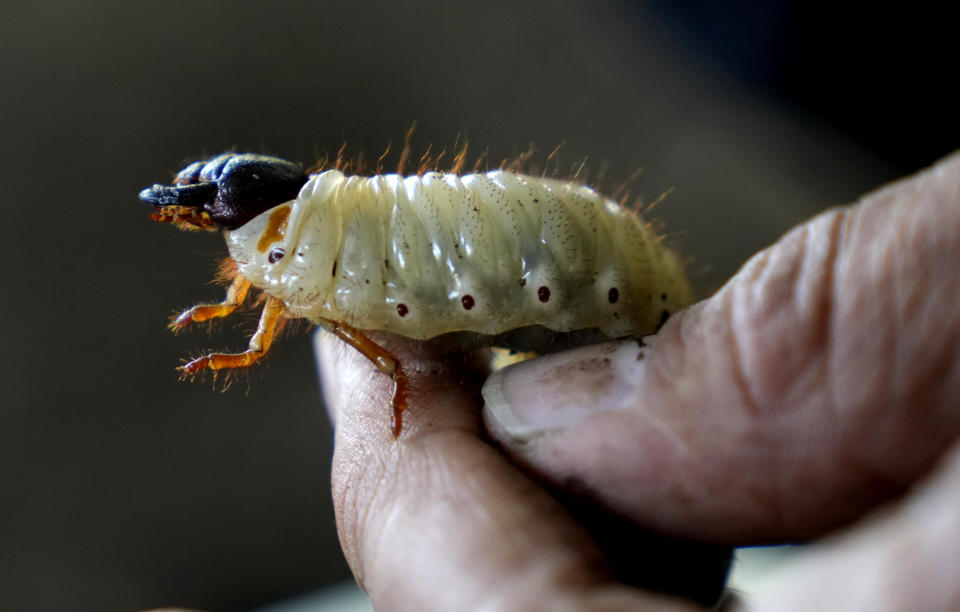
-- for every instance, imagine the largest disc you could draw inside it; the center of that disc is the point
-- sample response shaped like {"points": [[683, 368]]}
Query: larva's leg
{"points": [[259, 344], [385, 361], [204, 312]]}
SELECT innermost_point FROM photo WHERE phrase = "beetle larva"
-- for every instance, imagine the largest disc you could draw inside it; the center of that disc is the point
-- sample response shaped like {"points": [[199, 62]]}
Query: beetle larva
{"points": [[492, 253]]}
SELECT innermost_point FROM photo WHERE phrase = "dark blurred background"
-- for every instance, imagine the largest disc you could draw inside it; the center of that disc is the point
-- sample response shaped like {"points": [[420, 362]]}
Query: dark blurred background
{"points": [[123, 488]]}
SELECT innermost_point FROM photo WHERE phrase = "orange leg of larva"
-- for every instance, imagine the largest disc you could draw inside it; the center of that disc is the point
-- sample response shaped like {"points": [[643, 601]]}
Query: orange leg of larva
{"points": [[204, 312], [385, 361], [259, 344]]}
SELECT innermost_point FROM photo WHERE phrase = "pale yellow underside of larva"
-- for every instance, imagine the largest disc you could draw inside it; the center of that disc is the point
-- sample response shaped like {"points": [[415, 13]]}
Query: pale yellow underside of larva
{"points": [[488, 253]]}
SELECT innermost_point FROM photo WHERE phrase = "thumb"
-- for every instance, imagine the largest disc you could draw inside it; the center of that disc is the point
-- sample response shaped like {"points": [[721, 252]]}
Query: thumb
{"points": [[820, 380]]}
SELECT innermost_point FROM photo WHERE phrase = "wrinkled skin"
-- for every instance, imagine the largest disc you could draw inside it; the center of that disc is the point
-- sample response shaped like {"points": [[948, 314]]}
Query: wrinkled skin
{"points": [[821, 383]]}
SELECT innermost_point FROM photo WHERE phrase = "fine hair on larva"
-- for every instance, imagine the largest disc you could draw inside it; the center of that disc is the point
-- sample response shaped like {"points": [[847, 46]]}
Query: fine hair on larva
{"points": [[490, 253]]}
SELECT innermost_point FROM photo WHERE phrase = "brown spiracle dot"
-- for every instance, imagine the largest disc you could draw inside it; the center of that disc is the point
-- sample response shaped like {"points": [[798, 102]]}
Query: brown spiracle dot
{"points": [[276, 254], [544, 294], [467, 302], [402, 310], [613, 295]]}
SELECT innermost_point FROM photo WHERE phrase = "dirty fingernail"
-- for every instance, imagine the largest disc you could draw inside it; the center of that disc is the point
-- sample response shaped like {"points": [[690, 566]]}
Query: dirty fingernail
{"points": [[563, 389]]}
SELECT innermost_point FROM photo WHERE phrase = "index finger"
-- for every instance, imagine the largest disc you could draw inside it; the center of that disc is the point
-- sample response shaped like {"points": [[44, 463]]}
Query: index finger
{"points": [[438, 518]]}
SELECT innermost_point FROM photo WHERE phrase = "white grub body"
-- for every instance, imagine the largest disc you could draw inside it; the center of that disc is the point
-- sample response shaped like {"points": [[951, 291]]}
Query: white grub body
{"points": [[427, 255]]}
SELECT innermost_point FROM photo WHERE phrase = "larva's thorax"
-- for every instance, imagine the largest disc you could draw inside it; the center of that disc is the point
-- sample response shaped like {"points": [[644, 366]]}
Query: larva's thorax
{"points": [[437, 253]]}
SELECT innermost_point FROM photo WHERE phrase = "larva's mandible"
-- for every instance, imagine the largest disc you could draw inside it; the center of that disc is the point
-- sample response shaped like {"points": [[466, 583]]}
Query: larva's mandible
{"points": [[490, 253]]}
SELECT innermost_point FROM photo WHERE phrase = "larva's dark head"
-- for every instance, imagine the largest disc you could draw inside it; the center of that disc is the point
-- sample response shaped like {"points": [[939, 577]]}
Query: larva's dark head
{"points": [[225, 192]]}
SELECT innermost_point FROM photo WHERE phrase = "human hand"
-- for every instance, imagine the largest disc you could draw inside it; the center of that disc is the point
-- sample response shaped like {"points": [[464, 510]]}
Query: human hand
{"points": [[822, 380]]}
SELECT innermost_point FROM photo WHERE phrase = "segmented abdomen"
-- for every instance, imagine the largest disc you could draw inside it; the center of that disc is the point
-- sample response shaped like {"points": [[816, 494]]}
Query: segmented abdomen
{"points": [[488, 253]]}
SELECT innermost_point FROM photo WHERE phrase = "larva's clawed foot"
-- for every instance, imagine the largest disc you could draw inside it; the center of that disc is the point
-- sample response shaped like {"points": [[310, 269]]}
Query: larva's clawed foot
{"points": [[194, 367], [205, 312], [220, 361], [399, 402], [219, 366], [182, 320], [199, 314], [259, 344]]}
